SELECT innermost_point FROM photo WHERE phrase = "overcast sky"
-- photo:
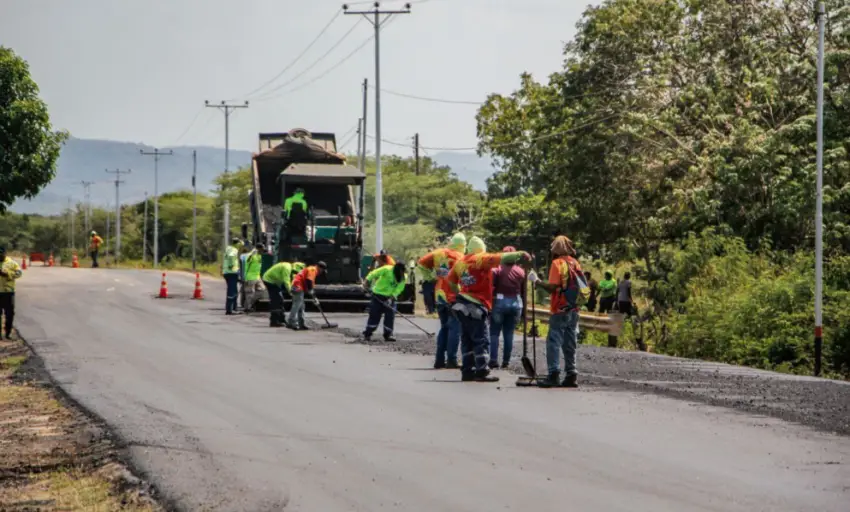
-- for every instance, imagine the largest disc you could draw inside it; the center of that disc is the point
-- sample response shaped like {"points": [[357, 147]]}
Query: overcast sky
{"points": [[140, 70]]}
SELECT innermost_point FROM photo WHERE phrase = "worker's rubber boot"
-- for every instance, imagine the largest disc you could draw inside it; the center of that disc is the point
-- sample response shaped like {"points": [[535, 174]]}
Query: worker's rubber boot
{"points": [[452, 365], [552, 381], [439, 366], [367, 336], [493, 364], [570, 381], [505, 365], [484, 376], [390, 338]]}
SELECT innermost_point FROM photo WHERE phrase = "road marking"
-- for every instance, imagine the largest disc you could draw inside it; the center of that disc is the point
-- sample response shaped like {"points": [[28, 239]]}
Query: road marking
{"points": [[111, 289]]}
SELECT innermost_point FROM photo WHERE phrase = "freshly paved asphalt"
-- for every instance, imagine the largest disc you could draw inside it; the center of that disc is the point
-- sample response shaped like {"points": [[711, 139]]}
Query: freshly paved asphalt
{"points": [[223, 413]]}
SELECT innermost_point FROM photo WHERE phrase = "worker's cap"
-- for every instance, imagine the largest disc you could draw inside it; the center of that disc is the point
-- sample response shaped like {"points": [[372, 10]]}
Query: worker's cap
{"points": [[509, 248], [383, 252], [609, 272], [476, 246], [458, 242], [322, 265], [562, 246], [235, 240], [93, 233]]}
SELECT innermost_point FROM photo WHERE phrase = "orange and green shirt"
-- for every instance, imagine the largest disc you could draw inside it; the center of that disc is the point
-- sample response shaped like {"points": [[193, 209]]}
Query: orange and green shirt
{"points": [[559, 275], [473, 276], [96, 241], [441, 262], [306, 279]]}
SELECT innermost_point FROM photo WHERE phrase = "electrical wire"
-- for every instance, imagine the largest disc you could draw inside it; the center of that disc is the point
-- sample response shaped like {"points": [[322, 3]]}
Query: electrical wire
{"points": [[324, 73], [507, 144], [298, 57], [425, 98], [314, 64], [188, 128]]}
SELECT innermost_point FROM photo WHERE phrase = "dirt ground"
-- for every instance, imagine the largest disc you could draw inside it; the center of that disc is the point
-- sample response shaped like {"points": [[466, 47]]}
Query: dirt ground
{"points": [[52, 456]]}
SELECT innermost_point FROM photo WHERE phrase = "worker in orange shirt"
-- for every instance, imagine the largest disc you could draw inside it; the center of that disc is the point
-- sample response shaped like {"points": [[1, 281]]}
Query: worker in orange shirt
{"points": [[472, 279], [304, 282], [440, 262], [382, 259], [94, 248]]}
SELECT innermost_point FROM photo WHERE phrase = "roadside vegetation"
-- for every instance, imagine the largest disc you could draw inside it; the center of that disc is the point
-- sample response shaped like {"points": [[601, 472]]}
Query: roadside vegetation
{"points": [[52, 456], [677, 142]]}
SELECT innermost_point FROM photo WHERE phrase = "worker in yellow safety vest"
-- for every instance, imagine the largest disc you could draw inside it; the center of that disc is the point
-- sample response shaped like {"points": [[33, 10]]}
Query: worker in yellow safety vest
{"points": [[9, 273]]}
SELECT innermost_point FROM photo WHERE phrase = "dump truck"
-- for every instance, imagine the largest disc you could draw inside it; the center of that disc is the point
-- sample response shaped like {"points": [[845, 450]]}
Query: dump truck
{"points": [[331, 228]]}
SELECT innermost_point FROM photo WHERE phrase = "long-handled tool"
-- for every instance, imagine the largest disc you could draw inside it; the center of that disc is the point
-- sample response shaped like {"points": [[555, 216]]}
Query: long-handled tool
{"points": [[526, 362], [327, 325], [534, 327], [414, 324]]}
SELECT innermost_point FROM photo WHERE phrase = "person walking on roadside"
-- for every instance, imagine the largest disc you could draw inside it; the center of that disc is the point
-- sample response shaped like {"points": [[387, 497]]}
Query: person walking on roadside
{"points": [[386, 284], [278, 282], [563, 323], [304, 283], [472, 278], [607, 292], [440, 262], [9, 273], [509, 287], [624, 295], [230, 271], [94, 248], [593, 284], [253, 285]]}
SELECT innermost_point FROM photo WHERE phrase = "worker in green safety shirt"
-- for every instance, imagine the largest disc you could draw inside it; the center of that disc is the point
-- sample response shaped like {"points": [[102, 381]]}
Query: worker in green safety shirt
{"points": [[253, 285], [278, 281], [386, 284], [296, 198]]}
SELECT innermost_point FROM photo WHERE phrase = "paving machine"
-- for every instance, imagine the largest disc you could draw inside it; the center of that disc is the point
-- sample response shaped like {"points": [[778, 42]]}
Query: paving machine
{"points": [[331, 227]]}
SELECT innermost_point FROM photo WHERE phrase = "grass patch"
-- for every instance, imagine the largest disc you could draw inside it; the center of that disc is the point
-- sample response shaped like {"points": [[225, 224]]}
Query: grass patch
{"points": [[12, 363]]}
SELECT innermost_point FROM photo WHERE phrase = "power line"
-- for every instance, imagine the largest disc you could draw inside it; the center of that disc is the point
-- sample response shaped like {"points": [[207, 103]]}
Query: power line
{"points": [[298, 57], [506, 144], [433, 100], [313, 65], [320, 75], [188, 128]]}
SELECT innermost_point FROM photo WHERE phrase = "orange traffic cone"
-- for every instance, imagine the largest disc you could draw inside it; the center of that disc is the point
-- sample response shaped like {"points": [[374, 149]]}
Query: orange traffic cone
{"points": [[163, 288], [75, 262], [50, 260], [24, 265], [199, 294]]}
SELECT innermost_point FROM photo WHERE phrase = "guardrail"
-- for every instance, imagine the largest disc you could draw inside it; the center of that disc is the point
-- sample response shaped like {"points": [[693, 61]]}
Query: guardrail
{"points": [[611, 323]]}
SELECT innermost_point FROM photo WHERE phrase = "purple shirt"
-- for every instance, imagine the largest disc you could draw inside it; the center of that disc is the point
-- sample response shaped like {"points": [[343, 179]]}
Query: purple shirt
{"points": [[508, 280]]}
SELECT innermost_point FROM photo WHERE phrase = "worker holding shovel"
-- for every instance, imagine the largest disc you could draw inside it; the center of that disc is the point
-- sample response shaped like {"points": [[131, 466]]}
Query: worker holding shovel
{"points": [[386, 284], [472, 277]]}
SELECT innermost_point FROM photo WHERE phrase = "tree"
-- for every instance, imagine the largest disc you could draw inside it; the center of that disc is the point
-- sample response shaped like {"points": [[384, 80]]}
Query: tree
{"points": [[29, 148]]}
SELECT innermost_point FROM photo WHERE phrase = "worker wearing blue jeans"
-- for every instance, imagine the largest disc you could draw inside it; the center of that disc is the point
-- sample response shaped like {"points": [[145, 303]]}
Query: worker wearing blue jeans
{"points": [[448, 339], [503, 320]]}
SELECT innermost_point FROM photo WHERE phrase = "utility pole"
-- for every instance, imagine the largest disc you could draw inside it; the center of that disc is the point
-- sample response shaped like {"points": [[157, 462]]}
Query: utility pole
{"points": [[70, 224], [145, 233], [416, 151], [821, 17], [374, 17], [157, 154], [194, 205], [87, 206], [227, 108], [107, 234], [362, 163], [359, 140], [118, 182]]}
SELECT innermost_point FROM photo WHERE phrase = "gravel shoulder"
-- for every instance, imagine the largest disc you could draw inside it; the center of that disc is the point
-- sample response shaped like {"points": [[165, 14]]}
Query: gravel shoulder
{"points": [[819, 403]]}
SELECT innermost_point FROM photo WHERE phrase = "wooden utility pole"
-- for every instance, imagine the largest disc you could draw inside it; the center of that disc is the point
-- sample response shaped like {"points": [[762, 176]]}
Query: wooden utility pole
{"points": [[416, 151]]}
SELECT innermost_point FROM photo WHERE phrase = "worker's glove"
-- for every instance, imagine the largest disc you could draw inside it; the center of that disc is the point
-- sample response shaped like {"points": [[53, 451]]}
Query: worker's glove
{"points": [[315, 301], [532, 276]]}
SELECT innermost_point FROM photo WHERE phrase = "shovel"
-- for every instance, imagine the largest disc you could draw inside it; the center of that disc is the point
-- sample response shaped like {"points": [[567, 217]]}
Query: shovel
{"points": [[327, 325], [414, 324], [526, 362]]}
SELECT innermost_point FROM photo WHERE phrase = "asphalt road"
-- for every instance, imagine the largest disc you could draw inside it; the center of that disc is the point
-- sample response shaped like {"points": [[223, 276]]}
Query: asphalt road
{"points": [[222, 413]]}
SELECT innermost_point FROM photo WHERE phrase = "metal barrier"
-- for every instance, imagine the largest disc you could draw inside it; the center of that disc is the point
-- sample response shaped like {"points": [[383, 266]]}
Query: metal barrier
{"points": [[611, 323]]}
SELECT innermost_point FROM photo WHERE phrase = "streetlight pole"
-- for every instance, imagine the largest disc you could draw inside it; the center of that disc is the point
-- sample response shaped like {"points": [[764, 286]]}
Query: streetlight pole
{"points": [[227, 108], [157, 154], [821, 17], [374, 17], [145, 232], [194, 205]]}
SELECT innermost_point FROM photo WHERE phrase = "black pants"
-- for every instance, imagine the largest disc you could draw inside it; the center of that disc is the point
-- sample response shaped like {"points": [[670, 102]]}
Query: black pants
{"points": [[379, 306], [232, 281], [94, 259], [276, 309], [7, 307], [625, 307], [606, 304]]}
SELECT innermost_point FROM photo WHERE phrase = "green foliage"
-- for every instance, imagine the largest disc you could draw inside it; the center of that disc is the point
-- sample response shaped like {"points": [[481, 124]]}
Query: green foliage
{"points": [[527, 221], [28, 147]]}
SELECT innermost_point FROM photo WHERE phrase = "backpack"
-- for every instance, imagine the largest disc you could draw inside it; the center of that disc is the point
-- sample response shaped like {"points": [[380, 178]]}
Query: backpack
{"points": [[575, 289]]}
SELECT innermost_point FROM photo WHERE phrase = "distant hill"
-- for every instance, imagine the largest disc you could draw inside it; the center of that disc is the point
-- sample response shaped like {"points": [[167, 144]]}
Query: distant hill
{"points": [[468, 166], [87, 159]]}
